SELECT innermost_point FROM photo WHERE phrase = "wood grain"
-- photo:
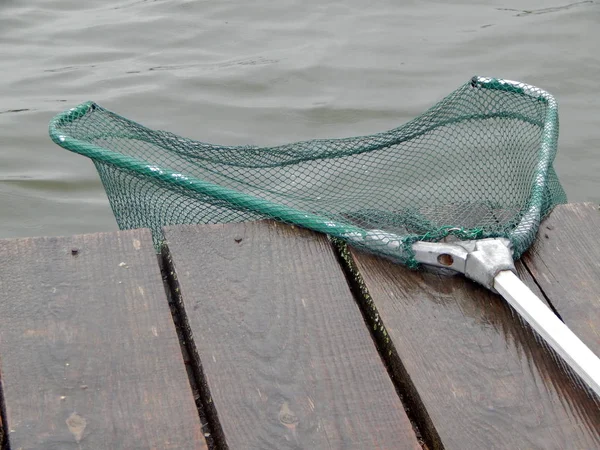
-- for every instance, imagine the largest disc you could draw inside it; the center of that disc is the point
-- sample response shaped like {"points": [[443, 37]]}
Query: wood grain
{"points": [[90, 357], [475, 376], [285, 355], [565, 262]]}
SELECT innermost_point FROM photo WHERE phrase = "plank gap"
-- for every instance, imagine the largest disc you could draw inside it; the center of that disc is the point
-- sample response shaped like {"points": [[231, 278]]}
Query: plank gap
{"points": [[281, 342], [564, 262], [206, 409], [90, 357], [4, 444], [185, 352], [481, 373], [422, 424], [541, 289]]}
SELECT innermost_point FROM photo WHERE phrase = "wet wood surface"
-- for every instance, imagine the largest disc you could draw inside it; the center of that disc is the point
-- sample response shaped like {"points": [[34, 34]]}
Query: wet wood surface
{"points": [[288, 346], [89, 354], [286, 357], [565, 261], [473, 374]]}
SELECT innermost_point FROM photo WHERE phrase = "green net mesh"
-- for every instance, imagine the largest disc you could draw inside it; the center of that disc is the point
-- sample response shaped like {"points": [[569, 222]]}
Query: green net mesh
{"points": [[477, 164]]}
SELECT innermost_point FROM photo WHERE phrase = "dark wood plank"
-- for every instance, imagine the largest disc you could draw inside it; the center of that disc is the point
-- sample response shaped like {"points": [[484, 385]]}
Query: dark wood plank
{"points": [[565, 262], [285, 353], [475, 376], [90, 356]]}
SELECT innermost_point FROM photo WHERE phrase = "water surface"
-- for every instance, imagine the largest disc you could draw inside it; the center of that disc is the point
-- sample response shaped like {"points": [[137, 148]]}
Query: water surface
{"points": [[266, 73]]}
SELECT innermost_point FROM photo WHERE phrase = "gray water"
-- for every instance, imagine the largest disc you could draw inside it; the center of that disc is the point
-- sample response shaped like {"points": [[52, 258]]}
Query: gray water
{"points": [[266, 72]]}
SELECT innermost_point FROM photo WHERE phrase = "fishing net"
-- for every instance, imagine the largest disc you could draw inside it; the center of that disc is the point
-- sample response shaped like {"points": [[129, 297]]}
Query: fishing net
{"points": [[477, 164]]}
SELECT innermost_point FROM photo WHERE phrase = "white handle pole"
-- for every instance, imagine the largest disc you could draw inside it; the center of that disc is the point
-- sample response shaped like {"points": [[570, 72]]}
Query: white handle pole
{"points": [[575, 353]]}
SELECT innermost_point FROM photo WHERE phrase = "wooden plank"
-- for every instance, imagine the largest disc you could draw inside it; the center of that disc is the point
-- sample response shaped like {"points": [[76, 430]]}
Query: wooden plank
{"points": [[565, 262], [284, 351], [473, 374], [90, 356]]}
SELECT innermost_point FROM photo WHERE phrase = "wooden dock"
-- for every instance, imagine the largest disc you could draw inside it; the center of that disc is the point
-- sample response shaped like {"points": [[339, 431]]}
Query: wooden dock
{"points": [[265, 336]]}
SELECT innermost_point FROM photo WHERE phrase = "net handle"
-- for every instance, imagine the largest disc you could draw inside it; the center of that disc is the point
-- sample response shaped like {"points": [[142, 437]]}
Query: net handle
{"points": [[539, 316]]}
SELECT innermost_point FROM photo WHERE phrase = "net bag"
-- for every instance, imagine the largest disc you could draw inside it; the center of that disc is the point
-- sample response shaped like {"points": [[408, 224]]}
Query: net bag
{"points": [[477, 164]]}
